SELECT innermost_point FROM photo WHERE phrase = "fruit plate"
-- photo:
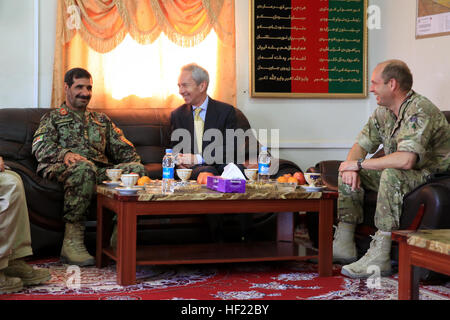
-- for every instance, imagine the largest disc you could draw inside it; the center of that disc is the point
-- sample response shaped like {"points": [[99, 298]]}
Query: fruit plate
{"points": [[313, 189], [286, 186], [110, 183], [133, 187]]}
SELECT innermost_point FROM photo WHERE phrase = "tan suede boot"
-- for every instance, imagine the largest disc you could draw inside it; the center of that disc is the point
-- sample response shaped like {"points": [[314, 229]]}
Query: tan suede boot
{"points": [[377, 257], [9, 284], [73, 250], [29, 275], [344, 247]]}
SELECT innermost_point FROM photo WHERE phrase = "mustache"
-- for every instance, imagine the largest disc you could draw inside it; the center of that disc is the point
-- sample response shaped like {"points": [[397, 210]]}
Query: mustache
{"points": [[83, 97]]}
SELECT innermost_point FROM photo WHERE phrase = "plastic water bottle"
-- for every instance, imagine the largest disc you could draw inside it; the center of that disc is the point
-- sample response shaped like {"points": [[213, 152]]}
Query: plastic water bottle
{"points": [[263, 165], [168, 164]]}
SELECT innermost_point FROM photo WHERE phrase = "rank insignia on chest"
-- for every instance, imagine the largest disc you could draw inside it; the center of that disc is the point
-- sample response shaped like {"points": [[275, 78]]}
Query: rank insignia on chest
{"points": [[126, 141], [63, 112]]}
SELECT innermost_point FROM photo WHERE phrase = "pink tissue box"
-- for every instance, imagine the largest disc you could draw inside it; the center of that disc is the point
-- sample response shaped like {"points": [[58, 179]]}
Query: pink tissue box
{"points": [[220, 184]]}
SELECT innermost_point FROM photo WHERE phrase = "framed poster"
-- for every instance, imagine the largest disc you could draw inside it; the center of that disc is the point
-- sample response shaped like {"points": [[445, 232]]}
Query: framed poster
{"points": [[433, 18], [308, 49]]}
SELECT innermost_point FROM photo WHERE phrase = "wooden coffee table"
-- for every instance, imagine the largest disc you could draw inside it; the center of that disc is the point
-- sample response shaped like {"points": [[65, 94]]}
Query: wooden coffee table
{"points": [[428, 249], [127, 254]]}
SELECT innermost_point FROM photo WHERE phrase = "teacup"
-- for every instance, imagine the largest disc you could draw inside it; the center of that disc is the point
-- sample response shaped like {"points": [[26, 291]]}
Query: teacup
{"points": [[114, 174], [129, 179], [184, 174], [313, 178], [251, 174]]}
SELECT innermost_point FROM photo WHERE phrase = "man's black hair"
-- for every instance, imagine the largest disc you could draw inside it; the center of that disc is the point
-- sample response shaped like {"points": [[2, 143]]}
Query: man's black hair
{"points": [[76, 73]]}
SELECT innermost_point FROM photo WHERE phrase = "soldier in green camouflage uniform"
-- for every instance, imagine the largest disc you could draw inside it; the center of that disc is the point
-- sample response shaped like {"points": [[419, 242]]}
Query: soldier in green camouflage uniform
{"points": [[416, 140], [75, 146]]}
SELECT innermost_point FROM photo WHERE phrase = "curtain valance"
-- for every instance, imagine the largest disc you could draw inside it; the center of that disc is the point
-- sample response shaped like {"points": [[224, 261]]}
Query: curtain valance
{"points": [[103, 24], [88, 30]]}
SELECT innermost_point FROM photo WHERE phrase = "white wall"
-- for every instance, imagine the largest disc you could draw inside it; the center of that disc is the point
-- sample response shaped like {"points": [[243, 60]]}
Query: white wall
{"points": [[319, 129], [16, 58], [310, 129], [20, 84]]}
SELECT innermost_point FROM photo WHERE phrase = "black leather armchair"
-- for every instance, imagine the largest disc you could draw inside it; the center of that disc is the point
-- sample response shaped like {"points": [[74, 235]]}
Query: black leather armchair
{"points": [[148, 130], [425, 207]]}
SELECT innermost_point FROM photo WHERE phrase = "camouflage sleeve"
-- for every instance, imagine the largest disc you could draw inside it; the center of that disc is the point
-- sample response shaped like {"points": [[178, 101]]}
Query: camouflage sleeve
{"points": [[45, 145], [415, 133], [369, 138], [119, 148]]}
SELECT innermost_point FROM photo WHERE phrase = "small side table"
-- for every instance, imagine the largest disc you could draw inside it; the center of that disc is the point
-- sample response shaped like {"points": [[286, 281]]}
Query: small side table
{"points": [[428, 249]]}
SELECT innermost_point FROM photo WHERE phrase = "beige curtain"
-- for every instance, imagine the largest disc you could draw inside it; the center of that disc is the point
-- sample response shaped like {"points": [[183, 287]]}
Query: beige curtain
{"points": [[87, 28]]}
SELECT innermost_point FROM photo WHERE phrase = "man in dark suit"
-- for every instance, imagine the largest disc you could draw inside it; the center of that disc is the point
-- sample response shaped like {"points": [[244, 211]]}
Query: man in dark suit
{"points": [[199, 127], [199, 131]]}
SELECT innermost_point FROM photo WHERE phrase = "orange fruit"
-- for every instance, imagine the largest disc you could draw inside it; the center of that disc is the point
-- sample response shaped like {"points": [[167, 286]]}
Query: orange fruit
{"points": [[292, 180], [287, 175], [282, 179], [203, 176], [143, 180]]}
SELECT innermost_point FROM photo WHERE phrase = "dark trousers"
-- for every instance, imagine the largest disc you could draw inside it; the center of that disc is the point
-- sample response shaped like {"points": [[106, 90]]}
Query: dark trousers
{"points": [[216, 221]]}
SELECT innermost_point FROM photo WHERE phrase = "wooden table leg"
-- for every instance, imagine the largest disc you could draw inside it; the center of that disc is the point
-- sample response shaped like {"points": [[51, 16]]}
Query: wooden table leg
{"points": [[415, 278], [126, 244], [326, 237], [104, 228], [285, 226], [100, 227], [405, 272]]}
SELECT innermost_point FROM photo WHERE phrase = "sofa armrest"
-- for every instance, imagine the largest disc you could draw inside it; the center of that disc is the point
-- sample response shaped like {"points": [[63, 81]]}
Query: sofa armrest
{"points": [[44, 197], [285, 166], [330, 171], [434, 196], [30, 177]]}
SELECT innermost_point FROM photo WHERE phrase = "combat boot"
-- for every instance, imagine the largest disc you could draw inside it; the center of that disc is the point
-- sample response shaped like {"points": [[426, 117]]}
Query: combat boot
{"points": [[73, 250], [29, 275], [9, 284], [377, 259], [344, 247]]}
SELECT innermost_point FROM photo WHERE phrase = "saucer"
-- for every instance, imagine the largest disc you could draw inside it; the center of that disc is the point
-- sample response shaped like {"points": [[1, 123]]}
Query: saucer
{"points": [[110, 183], [312, 189], [128, 191], [133, 187]]}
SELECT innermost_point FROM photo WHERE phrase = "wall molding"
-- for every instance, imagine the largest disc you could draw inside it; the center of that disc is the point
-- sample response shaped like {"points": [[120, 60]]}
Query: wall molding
{"points": [[36, 54], [314, 145]]}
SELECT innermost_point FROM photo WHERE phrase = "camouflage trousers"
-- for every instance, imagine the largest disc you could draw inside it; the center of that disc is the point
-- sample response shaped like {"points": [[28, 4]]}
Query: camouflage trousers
{"points": [[79, 181], [391, 185]]}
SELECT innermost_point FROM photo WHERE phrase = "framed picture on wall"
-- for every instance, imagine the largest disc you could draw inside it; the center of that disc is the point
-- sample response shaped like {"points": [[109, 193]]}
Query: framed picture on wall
{"points": [[308, 49], [433, 18]]}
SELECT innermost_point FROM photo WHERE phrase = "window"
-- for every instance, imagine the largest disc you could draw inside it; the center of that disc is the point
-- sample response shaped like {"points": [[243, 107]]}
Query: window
{"points": [[152, 70]]}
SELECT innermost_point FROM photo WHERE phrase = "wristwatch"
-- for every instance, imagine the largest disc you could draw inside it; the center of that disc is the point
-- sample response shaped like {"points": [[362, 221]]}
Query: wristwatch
{"points": [[359, 163]]}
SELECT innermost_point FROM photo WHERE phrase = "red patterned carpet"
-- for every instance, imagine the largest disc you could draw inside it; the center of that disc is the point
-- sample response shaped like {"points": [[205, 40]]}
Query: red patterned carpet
{"points": [[246, 281]]}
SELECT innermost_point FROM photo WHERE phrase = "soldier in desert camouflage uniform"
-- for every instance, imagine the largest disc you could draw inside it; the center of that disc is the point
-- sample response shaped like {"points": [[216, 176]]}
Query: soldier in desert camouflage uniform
{"points": [[416, 139], [15, 238], [75, 146]]}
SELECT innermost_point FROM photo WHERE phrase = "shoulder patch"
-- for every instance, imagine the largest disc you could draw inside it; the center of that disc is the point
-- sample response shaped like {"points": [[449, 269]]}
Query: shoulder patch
{"points": [[38, 139], [63, 111]]}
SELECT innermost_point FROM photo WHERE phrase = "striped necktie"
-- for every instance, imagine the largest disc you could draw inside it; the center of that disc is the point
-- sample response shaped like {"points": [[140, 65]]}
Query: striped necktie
{"points": [[198, 126]]}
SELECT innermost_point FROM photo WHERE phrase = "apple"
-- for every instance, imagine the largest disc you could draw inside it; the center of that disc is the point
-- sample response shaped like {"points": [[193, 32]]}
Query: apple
{"points": [[300, 177]]}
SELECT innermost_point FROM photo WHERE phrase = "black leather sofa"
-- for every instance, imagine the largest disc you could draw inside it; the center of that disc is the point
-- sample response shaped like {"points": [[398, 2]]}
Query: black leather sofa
{"points": [[148, 129]]}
